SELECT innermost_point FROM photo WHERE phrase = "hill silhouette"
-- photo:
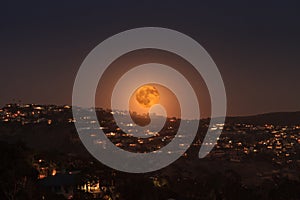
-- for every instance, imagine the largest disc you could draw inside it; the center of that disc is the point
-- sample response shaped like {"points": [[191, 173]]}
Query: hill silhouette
{"points": [[275, 118]]}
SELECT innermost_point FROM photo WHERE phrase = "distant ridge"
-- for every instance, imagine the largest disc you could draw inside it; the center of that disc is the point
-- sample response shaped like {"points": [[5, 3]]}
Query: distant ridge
{"points": [[275, 118]]}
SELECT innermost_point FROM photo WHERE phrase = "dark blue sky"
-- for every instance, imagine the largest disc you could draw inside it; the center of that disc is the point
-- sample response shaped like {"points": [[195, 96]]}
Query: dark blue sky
{"points": [[255, 44]]}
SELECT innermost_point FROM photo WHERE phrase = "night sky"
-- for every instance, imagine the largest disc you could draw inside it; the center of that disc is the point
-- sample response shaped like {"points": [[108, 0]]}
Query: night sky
{"points": [[256, 46]]}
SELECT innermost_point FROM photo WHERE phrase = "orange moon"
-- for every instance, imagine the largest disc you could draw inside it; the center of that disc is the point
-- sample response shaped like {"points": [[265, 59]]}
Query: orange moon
{"points": [[147, 96]]}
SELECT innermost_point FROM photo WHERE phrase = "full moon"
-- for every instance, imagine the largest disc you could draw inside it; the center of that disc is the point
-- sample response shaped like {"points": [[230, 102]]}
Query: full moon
{"points": [[147, 96]]}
